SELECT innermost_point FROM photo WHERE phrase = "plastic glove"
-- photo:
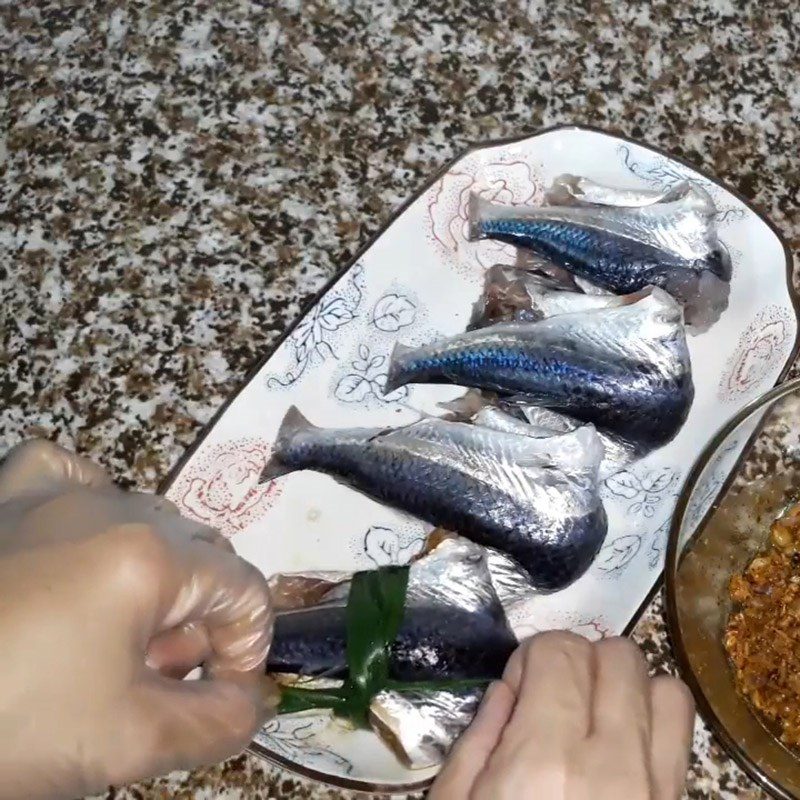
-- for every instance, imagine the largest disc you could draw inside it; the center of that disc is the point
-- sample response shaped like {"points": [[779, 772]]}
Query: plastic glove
{"points": [[572, 720], [107, 597]]}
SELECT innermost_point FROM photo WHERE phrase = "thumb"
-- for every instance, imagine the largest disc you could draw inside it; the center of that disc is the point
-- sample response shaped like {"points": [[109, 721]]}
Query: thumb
{"points": [[39, 465], [472, 751], [180, 725]]}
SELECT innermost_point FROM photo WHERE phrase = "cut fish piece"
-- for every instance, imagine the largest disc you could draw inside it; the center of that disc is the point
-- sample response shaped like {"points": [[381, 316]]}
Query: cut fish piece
{"points": [[625, 369], [535, 499]]}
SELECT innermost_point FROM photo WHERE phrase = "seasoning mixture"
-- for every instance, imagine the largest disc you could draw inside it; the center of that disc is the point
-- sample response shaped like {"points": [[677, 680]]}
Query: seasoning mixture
{"points": [[762, 637]]}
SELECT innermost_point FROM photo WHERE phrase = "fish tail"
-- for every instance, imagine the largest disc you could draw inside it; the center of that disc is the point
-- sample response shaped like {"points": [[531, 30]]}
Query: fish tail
{"points": [[293, 423], [477, 209], [395, 375]]}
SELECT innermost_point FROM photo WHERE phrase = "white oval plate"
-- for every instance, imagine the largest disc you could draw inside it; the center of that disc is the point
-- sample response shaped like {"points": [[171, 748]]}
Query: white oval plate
{"points": [[417, 280]]}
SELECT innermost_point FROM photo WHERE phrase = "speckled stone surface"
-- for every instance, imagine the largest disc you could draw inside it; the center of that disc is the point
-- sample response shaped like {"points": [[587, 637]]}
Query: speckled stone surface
{"points": [[178, 178]]}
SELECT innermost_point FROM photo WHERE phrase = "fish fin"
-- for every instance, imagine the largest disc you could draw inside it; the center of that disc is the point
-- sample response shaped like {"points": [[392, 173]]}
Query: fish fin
{"points": [[476, 212], [274, 468], [293, 423], [394, 377]]}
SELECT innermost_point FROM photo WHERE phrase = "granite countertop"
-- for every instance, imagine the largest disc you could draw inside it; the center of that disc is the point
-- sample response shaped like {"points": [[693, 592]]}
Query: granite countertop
{"points": [[178, 178]]}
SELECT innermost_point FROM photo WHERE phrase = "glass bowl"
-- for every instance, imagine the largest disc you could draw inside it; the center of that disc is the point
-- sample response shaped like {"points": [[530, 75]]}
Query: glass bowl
{"points": [[745, 477]]}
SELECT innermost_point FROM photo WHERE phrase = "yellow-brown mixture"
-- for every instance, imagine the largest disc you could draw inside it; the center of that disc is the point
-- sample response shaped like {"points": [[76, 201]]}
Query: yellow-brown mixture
{"points": [[762, 637]]}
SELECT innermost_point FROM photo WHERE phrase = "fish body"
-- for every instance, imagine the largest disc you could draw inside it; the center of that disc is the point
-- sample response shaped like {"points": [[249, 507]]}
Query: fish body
{"points": [[432, 643], [454, 626], [422, 726], [534, 499], [671, 244], [625, 369]]}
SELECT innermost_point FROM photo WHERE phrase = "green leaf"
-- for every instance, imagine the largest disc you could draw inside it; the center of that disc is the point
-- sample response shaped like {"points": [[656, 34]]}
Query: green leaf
{"points": [[294, 699], [375, 610]]}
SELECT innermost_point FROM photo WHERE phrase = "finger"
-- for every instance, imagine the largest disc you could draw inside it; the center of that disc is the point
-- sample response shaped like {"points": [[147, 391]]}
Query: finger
{"points": [[672, 709], [177, 652], [215, 538], [552, 675], [195, 582], [621, 708], [154, 509], [38, 465], [174, 724], [470, 754]]}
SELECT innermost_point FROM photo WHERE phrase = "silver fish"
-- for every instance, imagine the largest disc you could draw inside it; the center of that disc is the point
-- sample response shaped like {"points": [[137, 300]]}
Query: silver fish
{"points": [[474, 405], [422, 726], [672, 243], [625, 369], [454, 625], [618, 452], [294, 590], [534, 499]]}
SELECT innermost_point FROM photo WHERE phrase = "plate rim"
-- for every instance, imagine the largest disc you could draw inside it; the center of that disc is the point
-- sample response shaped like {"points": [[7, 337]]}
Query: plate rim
{"points": [[166, 483]]}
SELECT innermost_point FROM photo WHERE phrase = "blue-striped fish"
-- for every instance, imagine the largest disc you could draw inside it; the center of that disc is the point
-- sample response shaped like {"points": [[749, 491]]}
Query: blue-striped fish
{"points": [[626, 369], [671, 242]]}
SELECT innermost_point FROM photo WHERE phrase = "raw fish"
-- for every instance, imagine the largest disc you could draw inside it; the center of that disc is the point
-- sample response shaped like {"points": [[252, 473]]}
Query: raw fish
{"points": [[671, 242], [517, 294], [421, 727], [575, 190], [625, 369], [535, 499], [519, 415], [454, 625]]}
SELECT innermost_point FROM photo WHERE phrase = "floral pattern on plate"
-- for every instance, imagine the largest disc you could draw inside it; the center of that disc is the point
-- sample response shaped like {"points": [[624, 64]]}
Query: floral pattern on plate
{"points": [[222, 489], [763, 344]]}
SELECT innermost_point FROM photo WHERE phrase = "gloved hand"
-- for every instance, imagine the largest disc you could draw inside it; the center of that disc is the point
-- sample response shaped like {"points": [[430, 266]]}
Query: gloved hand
{"points": [[107, 598], [572, 720]]}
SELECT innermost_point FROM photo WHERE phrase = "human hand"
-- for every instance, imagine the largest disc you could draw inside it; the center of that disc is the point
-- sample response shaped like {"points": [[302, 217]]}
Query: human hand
{"points": [[574, 720], [107, 598]]}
